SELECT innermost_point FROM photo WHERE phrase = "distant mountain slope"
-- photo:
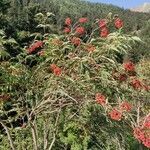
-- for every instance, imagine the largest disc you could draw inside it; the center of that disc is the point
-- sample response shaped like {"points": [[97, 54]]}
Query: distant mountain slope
{"points": [[79, 8], [73, 9], [143, 8]]}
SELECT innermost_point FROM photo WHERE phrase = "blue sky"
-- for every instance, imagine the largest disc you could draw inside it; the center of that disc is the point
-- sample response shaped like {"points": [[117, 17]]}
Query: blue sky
{"points": [[123, 3]]}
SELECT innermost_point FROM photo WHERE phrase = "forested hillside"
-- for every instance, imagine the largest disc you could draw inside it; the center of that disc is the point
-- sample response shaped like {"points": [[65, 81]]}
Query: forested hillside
{"points": [[21, 12], [19, 16]]}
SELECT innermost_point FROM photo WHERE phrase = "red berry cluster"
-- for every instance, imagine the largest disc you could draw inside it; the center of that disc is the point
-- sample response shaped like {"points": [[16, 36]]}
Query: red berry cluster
{"points": [[100, 99], [68, 23], [129, 66], [102, 23], [130, 73], [142, 133], [104, 32], [35, 46], [67, 30], [55, 69], [103, 27], [80, 30], [115, 113], [118, 23], [135, 83], [83, 20], [146, 123]]}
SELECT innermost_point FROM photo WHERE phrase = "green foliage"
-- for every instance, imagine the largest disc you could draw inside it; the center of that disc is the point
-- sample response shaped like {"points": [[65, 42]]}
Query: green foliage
{"points": [[145, 36], [142, 49], [40, 109], [4, 5], [3, 54], [77, 8], [22, 12], [73, 119]]}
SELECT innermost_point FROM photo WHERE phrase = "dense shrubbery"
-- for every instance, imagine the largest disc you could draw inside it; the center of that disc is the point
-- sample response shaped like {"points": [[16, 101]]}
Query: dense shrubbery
{"points": [[75, 88], [74, 91]]}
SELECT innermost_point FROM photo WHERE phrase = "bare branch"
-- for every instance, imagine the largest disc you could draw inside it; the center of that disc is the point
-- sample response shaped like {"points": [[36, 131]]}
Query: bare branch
{"points": [[34, 135], [55, 132], [8, 134]]}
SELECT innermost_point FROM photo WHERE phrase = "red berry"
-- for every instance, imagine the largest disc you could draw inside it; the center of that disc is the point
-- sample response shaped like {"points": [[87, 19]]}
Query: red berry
{"points": [[80, 30], [115, 115], [67, 30], [136, 84], [83, 20], [100, 99], [125, 106], [68, 21], [129, 66], [102, 23], [118, 23], [57, 71], [104, 32]]}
